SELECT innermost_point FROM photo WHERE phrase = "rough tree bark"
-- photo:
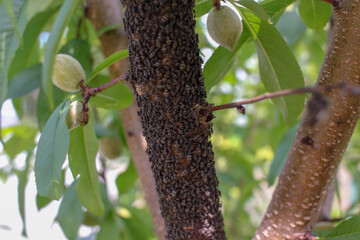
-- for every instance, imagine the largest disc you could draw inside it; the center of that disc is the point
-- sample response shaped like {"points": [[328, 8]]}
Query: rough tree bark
{"points": [[317, 150], [165, 71], [104, 13]]}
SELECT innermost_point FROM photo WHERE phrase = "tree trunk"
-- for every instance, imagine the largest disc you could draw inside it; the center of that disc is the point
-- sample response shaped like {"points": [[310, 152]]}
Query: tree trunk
{"points": [[104, 13], [165, 71], [317, 150]]}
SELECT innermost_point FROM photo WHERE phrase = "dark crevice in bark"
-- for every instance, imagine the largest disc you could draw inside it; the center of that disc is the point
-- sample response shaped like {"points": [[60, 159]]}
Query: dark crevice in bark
{"points": [[166, 75]]}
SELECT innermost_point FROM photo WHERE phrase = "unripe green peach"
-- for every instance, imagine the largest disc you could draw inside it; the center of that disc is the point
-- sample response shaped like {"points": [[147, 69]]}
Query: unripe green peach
{"points": [[110, 147], [224, 26], [76, 116], [67, 73]]}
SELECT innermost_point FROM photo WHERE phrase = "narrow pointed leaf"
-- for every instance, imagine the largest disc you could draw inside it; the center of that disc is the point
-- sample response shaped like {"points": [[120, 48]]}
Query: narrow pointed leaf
{"points": [[24, 56], [51, 153], [9, 40], [279, 69], [63, 18], [109, 61], [82, 154]]}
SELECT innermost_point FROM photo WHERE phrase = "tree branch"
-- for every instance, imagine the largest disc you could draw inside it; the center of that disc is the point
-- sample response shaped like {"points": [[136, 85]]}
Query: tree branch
{"points": [[318, 149], [105, 13]]}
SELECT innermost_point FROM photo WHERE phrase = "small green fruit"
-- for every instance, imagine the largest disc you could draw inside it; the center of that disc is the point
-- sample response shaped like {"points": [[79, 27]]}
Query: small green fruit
{"points": [[224, 26], [76, 116], [67, 73], [110, 147]]}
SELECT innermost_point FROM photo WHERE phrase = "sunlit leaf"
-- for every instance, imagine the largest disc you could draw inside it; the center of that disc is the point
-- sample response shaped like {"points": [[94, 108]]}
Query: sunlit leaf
{"points": [[22, 139], [117, 56], [51, 153], [347, 230], [314, 13], [202, 7], [279, 69], [82, 153]]}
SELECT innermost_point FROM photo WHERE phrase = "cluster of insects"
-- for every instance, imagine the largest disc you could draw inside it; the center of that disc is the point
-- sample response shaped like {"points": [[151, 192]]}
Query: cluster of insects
{"points": [[166, 74]]}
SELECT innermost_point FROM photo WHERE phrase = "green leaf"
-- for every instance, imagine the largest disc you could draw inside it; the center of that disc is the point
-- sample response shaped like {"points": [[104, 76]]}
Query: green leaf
{"points": [[314, 13], [44, 109], [279, 69], [347, 230], [70, 214], [222, 59], [9, 42], [27, 55], [108, 228], [12, 18], [276, 8], [117, 56], [51, 153], [60, 24], [125, 181], [116, 97], [23, 179], [281, 154], [202, 7], [42, 201], [255, 7], [26, 81], [22, 139], [138, 225], [82, 154]]}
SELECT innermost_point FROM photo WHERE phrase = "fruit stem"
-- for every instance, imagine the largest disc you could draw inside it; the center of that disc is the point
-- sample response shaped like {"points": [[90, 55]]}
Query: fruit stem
{"points": [[87, 92], [216, 4]]}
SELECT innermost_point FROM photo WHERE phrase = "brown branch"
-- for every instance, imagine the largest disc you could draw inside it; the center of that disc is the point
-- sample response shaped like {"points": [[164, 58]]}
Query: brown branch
{"points": [[106, 13], [318, 149], [265, 96]]}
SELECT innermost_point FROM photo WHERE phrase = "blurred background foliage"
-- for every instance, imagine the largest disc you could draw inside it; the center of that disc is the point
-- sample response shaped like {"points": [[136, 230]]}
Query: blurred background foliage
{"points": [[249, 149]]}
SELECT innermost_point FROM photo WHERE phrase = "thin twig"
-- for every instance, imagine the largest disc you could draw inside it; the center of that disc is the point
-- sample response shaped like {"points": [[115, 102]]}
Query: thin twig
{"points": [[264, 97], [346, 87]]}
